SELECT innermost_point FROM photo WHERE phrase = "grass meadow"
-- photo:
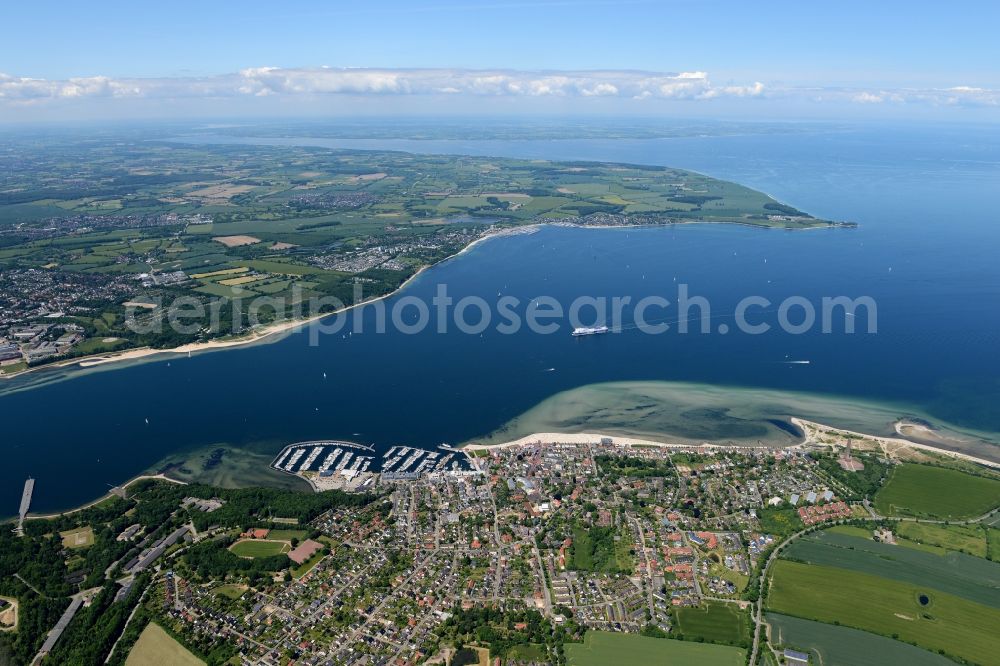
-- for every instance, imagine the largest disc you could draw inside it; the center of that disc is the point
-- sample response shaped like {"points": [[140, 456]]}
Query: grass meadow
{"points": [[936, 492], [716, 622], [155, 647], [600, 648]]}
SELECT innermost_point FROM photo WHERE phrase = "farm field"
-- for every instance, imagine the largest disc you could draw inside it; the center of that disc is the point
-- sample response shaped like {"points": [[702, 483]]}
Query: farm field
{"points": [[254, 548], [971, 578], [717, 622], [155, 647], [78, 538], [936, 492], [993, 544], [600, 648], [886, 607], [969, 539], [843, 645]]}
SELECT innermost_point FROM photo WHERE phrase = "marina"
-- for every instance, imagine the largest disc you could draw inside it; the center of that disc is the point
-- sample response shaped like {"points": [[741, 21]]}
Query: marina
{"points": [[328, 465], [340, 465], [405, 459]]}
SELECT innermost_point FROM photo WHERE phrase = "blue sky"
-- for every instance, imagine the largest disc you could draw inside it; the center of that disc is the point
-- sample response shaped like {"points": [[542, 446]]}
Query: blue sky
{"points": [[755, 59]]}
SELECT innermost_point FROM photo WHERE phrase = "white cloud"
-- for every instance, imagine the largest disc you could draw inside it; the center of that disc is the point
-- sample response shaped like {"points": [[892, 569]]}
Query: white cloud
{"points": [[868, 98], [266, 81], [624, 84]]}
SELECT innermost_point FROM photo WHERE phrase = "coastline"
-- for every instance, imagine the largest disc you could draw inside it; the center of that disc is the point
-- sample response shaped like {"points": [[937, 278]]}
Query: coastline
{"points": [[812, 431], [890, 446], [293, 325], [105, 496], [275, 330]]}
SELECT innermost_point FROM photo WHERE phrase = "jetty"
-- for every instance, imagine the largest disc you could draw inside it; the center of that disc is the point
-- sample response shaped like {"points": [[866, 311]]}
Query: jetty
{"points": [[29, 487]]}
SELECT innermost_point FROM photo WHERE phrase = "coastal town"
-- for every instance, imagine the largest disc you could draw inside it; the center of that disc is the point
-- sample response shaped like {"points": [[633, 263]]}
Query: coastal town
{"points": [[553, 541]]}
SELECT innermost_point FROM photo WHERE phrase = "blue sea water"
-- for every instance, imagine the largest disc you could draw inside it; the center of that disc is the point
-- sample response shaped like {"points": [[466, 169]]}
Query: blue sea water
{"points": [[926, 250]]}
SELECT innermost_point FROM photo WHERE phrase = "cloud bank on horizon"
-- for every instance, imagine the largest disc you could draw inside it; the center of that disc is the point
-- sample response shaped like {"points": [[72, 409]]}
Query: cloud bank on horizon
{"points": [[257, 82]]}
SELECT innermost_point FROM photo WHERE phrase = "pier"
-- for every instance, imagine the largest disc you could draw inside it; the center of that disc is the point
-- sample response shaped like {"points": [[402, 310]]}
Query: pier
{"points": [[29, 487]]}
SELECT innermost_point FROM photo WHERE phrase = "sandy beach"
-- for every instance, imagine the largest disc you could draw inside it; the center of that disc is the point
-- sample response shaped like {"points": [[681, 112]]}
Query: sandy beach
{"points": [[595, 438], [892, 447]]}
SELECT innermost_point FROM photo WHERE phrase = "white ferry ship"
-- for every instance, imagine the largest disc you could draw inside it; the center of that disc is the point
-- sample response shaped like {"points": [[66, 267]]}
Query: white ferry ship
{"points": [[587, 330]]}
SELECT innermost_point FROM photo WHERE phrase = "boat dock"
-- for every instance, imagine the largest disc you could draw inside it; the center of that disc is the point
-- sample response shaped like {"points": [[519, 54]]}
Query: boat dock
{"points": [[29, 487]]}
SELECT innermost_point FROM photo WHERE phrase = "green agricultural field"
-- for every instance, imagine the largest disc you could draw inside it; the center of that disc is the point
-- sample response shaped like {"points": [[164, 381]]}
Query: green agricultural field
{"points": [[253, 548], [850, 530], [936, 492], [156, 647], [716, 622], [969, 539], [993, 544], [971, 578], [843, 645], [600, 648], [886, 607]]}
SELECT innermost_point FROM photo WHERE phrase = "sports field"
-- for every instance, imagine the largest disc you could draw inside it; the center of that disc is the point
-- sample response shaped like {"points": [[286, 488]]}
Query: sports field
{"points": [[843, 645], [971, 578], [600, 648], [155, 647], [715, 622], [259, 548], [923, 490], [916, 614], [79, 538]]}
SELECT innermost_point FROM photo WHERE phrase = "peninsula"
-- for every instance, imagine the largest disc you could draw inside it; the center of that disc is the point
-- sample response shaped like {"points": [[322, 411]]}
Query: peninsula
{"points": [[95, 235]]}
